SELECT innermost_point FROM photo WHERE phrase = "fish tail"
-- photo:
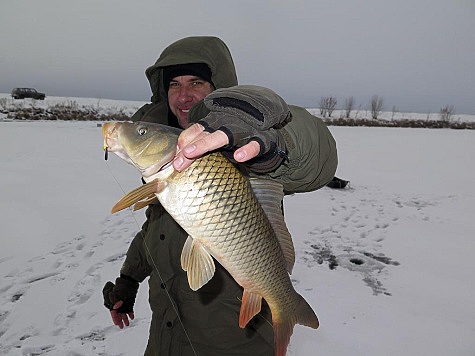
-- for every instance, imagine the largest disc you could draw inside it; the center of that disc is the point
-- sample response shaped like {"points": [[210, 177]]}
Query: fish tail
{"points": [[303, 315]]}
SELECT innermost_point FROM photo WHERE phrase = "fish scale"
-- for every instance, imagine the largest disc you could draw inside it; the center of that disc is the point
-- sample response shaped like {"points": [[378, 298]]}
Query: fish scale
{"points": [[240, 250]]}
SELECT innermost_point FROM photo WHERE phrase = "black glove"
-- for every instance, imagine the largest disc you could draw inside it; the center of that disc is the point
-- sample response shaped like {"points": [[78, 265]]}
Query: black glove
{"points": [[249, 113], [125, 289]]}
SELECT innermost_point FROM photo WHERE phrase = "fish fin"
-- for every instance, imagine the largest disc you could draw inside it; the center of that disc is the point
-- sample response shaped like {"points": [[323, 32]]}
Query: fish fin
{"points": [[282, 334], [270, 194], [250, 306], [146, 202], [303, 315], [197, 262], [138, 194], [185, 253]]}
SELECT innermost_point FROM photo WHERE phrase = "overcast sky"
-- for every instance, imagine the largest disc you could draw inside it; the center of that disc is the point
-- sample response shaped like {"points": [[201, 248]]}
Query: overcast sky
{"points": [[419, 55]]}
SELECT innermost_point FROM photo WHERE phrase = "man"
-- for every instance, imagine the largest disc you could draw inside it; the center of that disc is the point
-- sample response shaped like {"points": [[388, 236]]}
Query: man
{"points": [[194, 86]]}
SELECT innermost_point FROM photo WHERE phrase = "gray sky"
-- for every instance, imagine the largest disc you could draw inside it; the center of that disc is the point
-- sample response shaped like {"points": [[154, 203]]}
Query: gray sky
{"points": [[419, 55]]}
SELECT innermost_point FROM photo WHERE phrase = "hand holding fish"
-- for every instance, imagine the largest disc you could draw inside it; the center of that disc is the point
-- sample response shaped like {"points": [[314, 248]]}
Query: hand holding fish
{"points": [[244, 120], [195, 142]]}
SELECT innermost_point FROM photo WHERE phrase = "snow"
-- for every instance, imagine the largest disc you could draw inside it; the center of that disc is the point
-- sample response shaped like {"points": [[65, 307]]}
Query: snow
{"points": [[401, 235]]}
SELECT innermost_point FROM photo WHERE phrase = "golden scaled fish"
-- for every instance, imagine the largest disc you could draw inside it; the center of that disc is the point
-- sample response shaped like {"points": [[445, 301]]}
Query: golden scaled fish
{"points": [[229, 217]]}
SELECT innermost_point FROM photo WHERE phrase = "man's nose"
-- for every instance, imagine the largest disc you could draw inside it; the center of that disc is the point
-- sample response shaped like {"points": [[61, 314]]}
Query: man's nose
{"points": [[184, 94]]}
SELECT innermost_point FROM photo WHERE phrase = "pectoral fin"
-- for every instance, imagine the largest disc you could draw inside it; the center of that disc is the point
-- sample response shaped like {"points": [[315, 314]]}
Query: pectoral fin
{"points": [[146, 202], [138, 194], [197, 262], [250, 306]]}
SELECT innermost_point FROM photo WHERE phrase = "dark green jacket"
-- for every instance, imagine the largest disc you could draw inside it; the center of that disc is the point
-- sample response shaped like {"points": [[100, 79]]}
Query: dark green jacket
{"points": [[205, 322]]}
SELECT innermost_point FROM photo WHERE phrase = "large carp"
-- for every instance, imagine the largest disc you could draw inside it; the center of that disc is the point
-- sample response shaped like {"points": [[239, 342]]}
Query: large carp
{"points": [[236, 220]]}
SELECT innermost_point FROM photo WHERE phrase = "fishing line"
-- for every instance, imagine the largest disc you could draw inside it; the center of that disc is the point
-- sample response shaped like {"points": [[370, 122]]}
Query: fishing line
{"points": [[151, 257]]}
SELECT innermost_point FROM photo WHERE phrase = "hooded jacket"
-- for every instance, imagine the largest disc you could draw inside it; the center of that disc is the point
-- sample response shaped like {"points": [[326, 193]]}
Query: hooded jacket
{"points": [[205, 322], [201, 49]]}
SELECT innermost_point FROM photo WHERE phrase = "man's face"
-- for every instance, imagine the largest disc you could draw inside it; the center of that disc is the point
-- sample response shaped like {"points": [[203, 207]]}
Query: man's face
{"points": [[183, 93]]}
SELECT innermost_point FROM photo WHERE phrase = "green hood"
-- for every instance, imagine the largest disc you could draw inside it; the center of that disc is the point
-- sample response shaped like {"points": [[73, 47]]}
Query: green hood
{"points": [[203, 49]]}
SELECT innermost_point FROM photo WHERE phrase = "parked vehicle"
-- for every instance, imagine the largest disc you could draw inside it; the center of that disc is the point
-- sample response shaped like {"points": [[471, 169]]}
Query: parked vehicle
{"points": [[21, 93]]}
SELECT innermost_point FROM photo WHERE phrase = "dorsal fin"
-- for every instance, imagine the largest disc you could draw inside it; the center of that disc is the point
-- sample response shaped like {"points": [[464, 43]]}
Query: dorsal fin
{"points": [[270, 194]]}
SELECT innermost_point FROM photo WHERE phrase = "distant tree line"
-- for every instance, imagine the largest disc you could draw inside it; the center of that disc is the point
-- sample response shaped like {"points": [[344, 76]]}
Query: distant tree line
{"points": [[63, 115], [69, 111], [328, 105]]}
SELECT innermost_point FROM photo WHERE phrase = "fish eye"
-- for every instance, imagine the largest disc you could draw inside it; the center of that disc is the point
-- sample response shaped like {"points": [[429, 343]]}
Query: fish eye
{"points": [[142, 131]]}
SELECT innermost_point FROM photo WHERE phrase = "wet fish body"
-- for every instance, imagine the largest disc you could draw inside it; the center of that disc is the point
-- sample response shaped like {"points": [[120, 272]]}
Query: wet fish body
{"points": [[236, 220]]}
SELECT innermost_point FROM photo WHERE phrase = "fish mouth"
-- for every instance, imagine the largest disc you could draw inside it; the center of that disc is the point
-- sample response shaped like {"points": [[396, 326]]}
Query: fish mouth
{"points": [[112, 143], [111, 137]]}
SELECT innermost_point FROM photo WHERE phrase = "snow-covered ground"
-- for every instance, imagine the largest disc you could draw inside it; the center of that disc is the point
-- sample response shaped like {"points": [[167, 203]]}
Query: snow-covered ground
{"points": [[386, 263]]}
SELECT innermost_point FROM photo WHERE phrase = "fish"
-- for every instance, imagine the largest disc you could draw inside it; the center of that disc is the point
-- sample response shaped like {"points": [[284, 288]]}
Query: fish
{"points": [[229, 217]]}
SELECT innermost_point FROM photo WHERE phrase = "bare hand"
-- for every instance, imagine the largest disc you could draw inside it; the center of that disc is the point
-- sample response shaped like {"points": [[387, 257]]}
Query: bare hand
{"points": [[120, 319], [195, 142]]}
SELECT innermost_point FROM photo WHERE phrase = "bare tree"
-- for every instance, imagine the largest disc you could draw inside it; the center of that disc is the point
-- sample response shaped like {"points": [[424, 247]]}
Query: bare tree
{"points": [[323, 109], [331, 105], [327, 105], [3, 103], [394, 111], [446, 113], [358, 111], [376, 106], [349, 105]]}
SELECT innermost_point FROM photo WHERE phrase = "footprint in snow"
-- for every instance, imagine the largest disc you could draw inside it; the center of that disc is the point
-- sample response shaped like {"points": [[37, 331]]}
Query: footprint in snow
{"points": [[81, 259], [355, 236]]}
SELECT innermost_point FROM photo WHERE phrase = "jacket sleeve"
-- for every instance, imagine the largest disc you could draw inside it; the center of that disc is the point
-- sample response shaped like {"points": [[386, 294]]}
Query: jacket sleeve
{"points": [[312, 154], [311, 151], [136, 264]]}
